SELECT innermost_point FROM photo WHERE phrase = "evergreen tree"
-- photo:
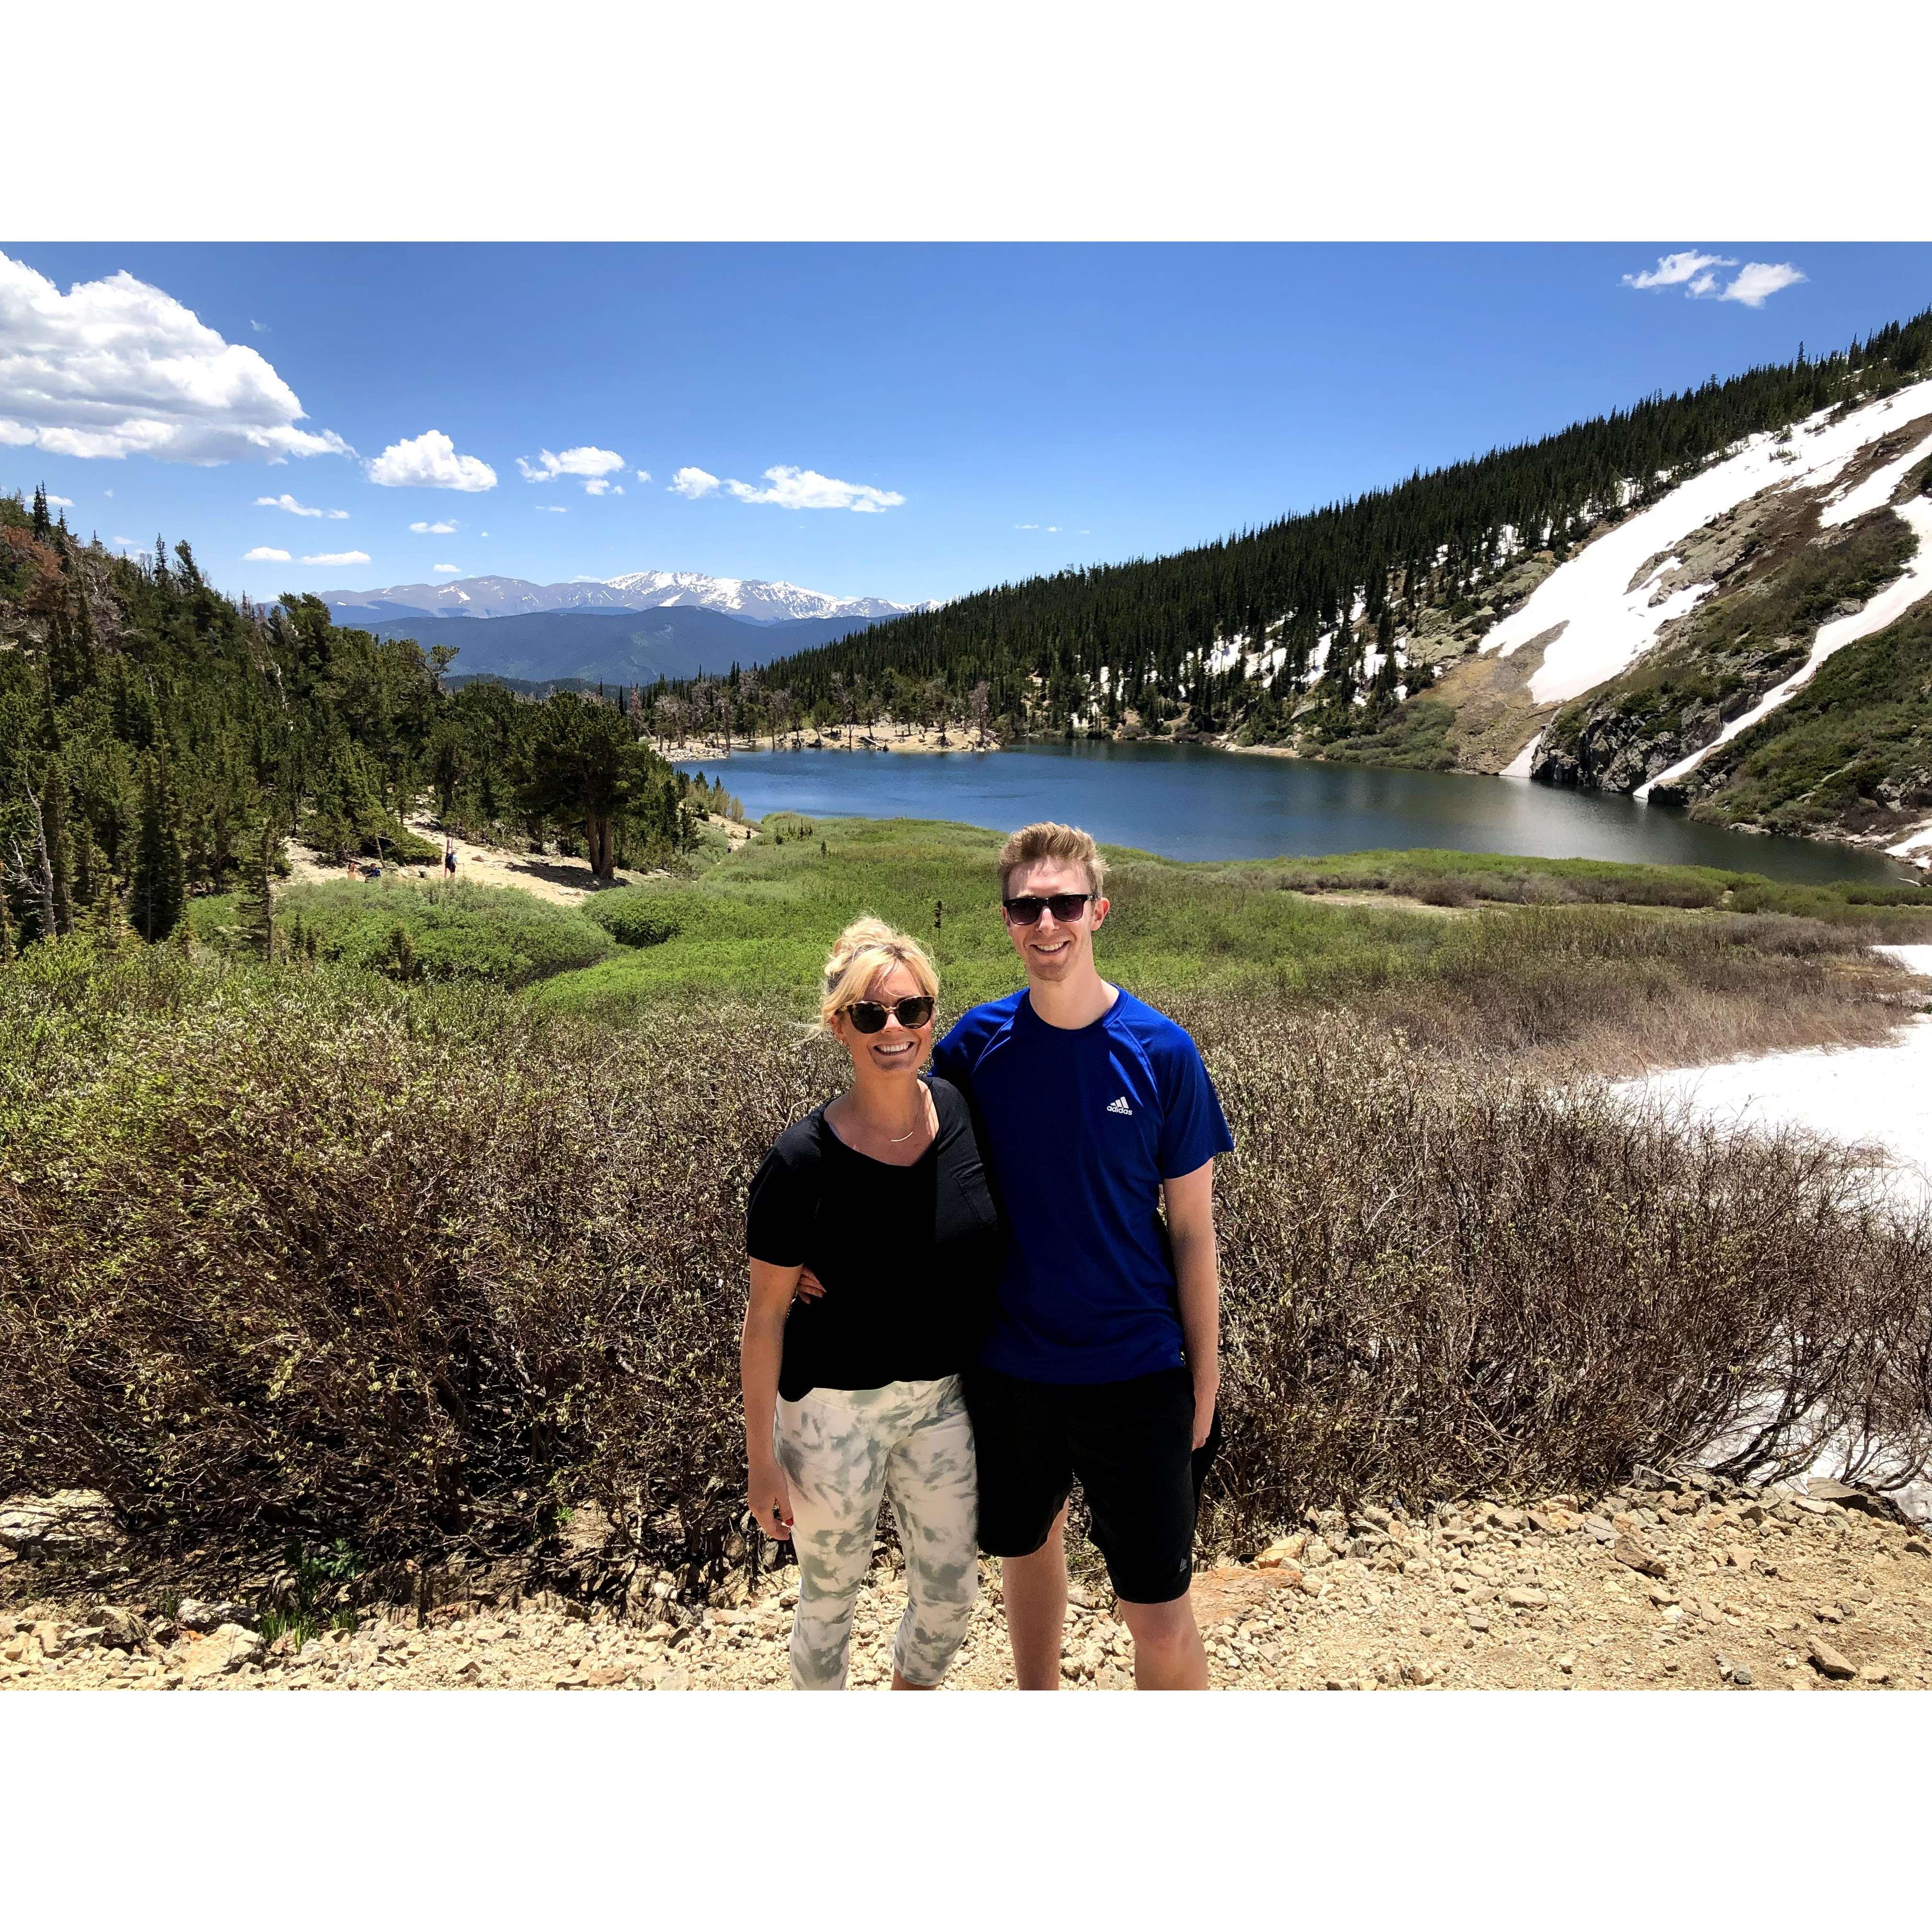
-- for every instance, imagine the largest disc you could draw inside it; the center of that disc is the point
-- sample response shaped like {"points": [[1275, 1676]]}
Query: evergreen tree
{"points": [[42, 524], [257, 921], [87, 873], [582, 766], [31, 876], [160, 886], [59, 844]]}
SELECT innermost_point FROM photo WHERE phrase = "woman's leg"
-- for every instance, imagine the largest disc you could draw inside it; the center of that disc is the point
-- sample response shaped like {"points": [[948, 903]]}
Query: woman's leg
{"points": [[835, 1465], [934, 1484]]}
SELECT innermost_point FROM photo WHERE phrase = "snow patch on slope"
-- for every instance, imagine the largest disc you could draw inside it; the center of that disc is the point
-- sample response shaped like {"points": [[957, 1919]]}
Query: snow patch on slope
{"points": [[1878, 1096], [1606, 626], [1887, 608]]}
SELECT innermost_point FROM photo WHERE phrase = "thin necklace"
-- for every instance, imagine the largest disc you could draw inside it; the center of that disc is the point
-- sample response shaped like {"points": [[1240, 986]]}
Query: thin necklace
{"points": [[893, 1140]]}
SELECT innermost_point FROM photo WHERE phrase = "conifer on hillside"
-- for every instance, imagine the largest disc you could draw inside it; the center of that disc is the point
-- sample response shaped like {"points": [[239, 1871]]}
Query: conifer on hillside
{"points": [[58, 844], [159, 885], [257, 921]]}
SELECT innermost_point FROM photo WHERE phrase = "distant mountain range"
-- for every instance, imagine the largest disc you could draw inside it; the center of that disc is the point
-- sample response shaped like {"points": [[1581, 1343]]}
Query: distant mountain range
{"points": [[744, 599], [602, 646]]}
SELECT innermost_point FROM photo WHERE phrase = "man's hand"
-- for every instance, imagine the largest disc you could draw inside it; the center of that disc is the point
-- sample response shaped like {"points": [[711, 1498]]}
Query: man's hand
{"points": [[1207, 1391], [770, 1500], [809, 1288]]}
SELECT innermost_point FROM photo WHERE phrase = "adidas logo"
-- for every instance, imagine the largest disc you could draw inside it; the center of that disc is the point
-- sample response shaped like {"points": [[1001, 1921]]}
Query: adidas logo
{"points": [[1120, 1106]]}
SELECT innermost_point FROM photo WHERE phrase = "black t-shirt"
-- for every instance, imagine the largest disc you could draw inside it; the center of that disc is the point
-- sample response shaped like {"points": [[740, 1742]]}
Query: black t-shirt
{"points": [[909, 1256]]}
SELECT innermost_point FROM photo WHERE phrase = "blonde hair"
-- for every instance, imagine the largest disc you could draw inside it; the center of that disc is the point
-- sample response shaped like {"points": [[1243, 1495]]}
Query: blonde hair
{"points": [[1047, 840], [865, 948]]}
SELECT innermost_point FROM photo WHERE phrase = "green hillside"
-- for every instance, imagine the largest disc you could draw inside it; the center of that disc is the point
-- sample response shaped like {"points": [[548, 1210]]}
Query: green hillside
{"points": [[1428, 558]]}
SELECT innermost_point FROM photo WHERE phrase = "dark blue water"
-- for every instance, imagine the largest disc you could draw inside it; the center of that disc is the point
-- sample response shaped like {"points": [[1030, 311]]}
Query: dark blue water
{"points": [[1186, 801]]}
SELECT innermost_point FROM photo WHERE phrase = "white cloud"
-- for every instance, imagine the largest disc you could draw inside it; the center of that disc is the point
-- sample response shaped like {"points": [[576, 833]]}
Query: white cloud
{"points": [[260, 328], [794, 489], [1685, 265], [445, 528], [116, 368], [447, 569], [599, 486], [586, 459], [286, 501], [554, 509], [60, 502], [334, 557], [1757, 280], [261, 553], [692, 482], [643, 476], [429, 462], [125, 543], [1026, 526], [1695, 273]]}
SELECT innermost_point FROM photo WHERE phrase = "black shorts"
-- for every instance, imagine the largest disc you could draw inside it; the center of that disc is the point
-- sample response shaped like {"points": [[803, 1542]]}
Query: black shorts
{"points": [[1131, 1443]]}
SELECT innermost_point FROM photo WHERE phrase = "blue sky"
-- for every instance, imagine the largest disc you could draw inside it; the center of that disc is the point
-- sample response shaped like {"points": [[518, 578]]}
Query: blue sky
{"points": [[1028, 407]]}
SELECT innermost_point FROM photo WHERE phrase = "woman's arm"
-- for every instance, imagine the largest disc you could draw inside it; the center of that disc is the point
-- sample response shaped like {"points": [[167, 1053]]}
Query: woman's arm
{"points": [[760, 1348], [1189, 1201]]}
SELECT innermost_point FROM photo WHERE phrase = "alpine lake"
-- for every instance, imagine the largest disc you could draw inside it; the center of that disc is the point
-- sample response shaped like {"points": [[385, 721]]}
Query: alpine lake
{"points": [[1192, 802]]}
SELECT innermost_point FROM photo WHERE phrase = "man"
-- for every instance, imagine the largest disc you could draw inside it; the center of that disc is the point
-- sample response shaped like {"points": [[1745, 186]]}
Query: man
{"points": [[1102, 1363]]}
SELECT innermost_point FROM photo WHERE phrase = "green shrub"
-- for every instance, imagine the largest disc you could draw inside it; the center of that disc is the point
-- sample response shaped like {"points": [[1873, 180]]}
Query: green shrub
{"points": [[453, 930], [635, 917]]}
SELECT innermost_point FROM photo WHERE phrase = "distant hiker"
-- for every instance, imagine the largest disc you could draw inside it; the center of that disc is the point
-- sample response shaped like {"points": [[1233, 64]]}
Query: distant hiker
{"points": [[882, 1194], [1101, 1127], [448, 860], [938, 914]]}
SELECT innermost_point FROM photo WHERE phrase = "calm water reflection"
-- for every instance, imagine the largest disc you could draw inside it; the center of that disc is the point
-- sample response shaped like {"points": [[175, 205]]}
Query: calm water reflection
{"points": [[1188, 803]]}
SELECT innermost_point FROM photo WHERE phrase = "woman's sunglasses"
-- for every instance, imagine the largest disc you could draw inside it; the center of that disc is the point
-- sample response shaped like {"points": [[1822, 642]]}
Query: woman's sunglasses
{"points": [[1067, 907], [869, 1016]]}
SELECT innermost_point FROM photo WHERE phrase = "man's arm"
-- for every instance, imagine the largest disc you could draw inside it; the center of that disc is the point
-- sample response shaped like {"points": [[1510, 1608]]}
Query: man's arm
{"points": [[1189, 1202]]}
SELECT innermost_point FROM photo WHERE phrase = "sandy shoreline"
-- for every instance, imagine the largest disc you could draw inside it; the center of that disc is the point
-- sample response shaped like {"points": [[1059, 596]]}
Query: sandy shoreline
{"points": [[711, 752]]}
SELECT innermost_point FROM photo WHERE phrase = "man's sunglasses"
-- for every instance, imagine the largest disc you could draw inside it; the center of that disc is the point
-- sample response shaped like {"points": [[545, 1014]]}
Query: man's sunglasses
{"points": [[1067, 907], [869, 1016]]}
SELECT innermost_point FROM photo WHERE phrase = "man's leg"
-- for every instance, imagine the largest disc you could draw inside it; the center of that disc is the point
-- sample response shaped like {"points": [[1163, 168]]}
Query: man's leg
{"points": [[1133, 1451], [1020, 1438], [1169, 1654], [1035, 1590]]}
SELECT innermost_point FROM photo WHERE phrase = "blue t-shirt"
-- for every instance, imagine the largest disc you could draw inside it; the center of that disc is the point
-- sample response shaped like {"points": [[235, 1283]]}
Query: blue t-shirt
{"points": [[1082, 1125]]}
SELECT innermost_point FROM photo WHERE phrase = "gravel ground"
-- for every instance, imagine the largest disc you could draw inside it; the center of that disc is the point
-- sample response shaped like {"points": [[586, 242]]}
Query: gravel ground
{"points": [[1668, 1588]]}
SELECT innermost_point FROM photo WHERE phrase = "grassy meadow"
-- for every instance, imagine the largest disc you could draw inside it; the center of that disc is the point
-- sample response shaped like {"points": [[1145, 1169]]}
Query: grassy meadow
{"points": [[1615, 966]]}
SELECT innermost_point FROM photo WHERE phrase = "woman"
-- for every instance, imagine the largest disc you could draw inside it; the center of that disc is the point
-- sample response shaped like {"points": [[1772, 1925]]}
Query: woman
{"points": [[882, 1194]]}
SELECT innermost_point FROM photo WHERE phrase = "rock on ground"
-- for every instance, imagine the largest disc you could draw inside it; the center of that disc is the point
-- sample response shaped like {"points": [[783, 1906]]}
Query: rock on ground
{"points": [[1738, 1590]]}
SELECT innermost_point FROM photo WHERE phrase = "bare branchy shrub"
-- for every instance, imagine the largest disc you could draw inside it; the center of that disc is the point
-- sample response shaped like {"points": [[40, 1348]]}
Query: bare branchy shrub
{"points": [[1438, 1284], [282, 1252], [311, 1254]]}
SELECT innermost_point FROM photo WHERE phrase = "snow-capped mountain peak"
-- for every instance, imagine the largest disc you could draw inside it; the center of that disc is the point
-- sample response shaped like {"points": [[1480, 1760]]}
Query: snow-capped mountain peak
{"points": [[746, 599]]}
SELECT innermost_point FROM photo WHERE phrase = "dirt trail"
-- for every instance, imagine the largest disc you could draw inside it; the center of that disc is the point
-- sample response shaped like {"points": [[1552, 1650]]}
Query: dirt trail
{"points": [[1773, 1591], [563, 881]]}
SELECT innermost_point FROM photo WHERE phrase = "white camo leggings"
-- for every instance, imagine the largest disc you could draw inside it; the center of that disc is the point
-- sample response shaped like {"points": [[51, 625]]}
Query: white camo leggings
{"points": [[840, 1450]]}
